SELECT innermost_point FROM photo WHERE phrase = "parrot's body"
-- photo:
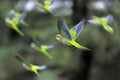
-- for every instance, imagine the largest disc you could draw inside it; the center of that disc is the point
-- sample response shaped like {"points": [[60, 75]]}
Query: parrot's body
{"points": [[70, 34], [43, 49], [44, 4], [103, 22], [28, 66], [13, 19]]}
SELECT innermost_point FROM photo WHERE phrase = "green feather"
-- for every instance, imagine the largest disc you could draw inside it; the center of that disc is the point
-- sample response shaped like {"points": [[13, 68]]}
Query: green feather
{"points": [[77, 45], [108, 28], [42, 49], [13, 26], [72, 33]]}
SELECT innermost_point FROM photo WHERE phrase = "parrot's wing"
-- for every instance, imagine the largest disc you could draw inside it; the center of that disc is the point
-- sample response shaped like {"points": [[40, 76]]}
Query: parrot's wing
{"points": [[11, 14], [35, 41], [41, 67], [21, 59], [21, 16], [62, 26], [109, 18], [49, 46], [76, 29]]}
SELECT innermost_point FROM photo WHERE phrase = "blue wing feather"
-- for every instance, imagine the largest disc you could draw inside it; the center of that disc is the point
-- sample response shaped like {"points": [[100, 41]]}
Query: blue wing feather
{"points": [[22, 16], [109, 18], [78, 28], [11, 14], [49, 46], [62, 26]]}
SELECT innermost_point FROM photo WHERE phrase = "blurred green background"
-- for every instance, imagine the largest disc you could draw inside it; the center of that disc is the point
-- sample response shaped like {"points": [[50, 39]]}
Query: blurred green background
{"points": [[69, 63]]}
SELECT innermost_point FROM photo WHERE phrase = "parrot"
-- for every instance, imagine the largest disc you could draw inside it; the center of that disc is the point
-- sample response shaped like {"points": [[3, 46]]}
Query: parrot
{"points": [[44, 4], [28, 66], [14, 18], [43, 49], [103, 21], [69, 35]]}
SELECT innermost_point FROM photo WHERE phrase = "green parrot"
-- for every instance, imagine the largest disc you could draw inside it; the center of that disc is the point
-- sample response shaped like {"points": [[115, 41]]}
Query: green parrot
{"points": [[69, 35], [103, 21], [44, 4], [43, 49], [14, 18], [28, 66]]}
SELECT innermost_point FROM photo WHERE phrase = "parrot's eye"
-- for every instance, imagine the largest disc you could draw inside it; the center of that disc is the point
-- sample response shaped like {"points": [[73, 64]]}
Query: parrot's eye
{"points": [[58, 36]]}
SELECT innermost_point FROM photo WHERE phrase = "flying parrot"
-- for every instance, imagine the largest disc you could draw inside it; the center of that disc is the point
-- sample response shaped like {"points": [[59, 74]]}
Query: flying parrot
{"points": [[69, 35], [44, 4], [43, 49], [28, 66], [103, 21], [14, 18]]}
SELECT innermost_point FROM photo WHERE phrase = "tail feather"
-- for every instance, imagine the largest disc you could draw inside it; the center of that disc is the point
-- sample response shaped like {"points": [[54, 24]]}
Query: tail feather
{"points": [[77, 45]]}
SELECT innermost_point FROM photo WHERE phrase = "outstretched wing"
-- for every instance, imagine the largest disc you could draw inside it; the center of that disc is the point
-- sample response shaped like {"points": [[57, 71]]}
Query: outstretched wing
{"points": [[109, 18], [76, 30], [62, 26], [20, 58], [21, 16], [41, 67], [49, 46], [11, 14]]}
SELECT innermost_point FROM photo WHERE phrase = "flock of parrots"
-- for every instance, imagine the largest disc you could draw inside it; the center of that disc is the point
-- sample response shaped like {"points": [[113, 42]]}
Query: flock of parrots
{"points": [[66, 36]]}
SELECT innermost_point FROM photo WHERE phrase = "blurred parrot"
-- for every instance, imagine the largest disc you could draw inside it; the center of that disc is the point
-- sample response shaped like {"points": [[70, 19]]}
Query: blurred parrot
{"points": [[43, 49], [28, 66], [44, 4], [103, 21], [14, 18], [70, 35]]}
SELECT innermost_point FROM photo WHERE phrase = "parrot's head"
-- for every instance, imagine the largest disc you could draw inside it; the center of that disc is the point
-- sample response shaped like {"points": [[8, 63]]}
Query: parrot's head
{"points": [[27, 67], [61, 39], [34, 46], [58, 37]]}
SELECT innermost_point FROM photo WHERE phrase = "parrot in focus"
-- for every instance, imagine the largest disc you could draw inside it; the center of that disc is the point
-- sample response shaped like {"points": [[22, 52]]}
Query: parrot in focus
{"points": [[28, 66], [69, 35], [103, 21]]}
